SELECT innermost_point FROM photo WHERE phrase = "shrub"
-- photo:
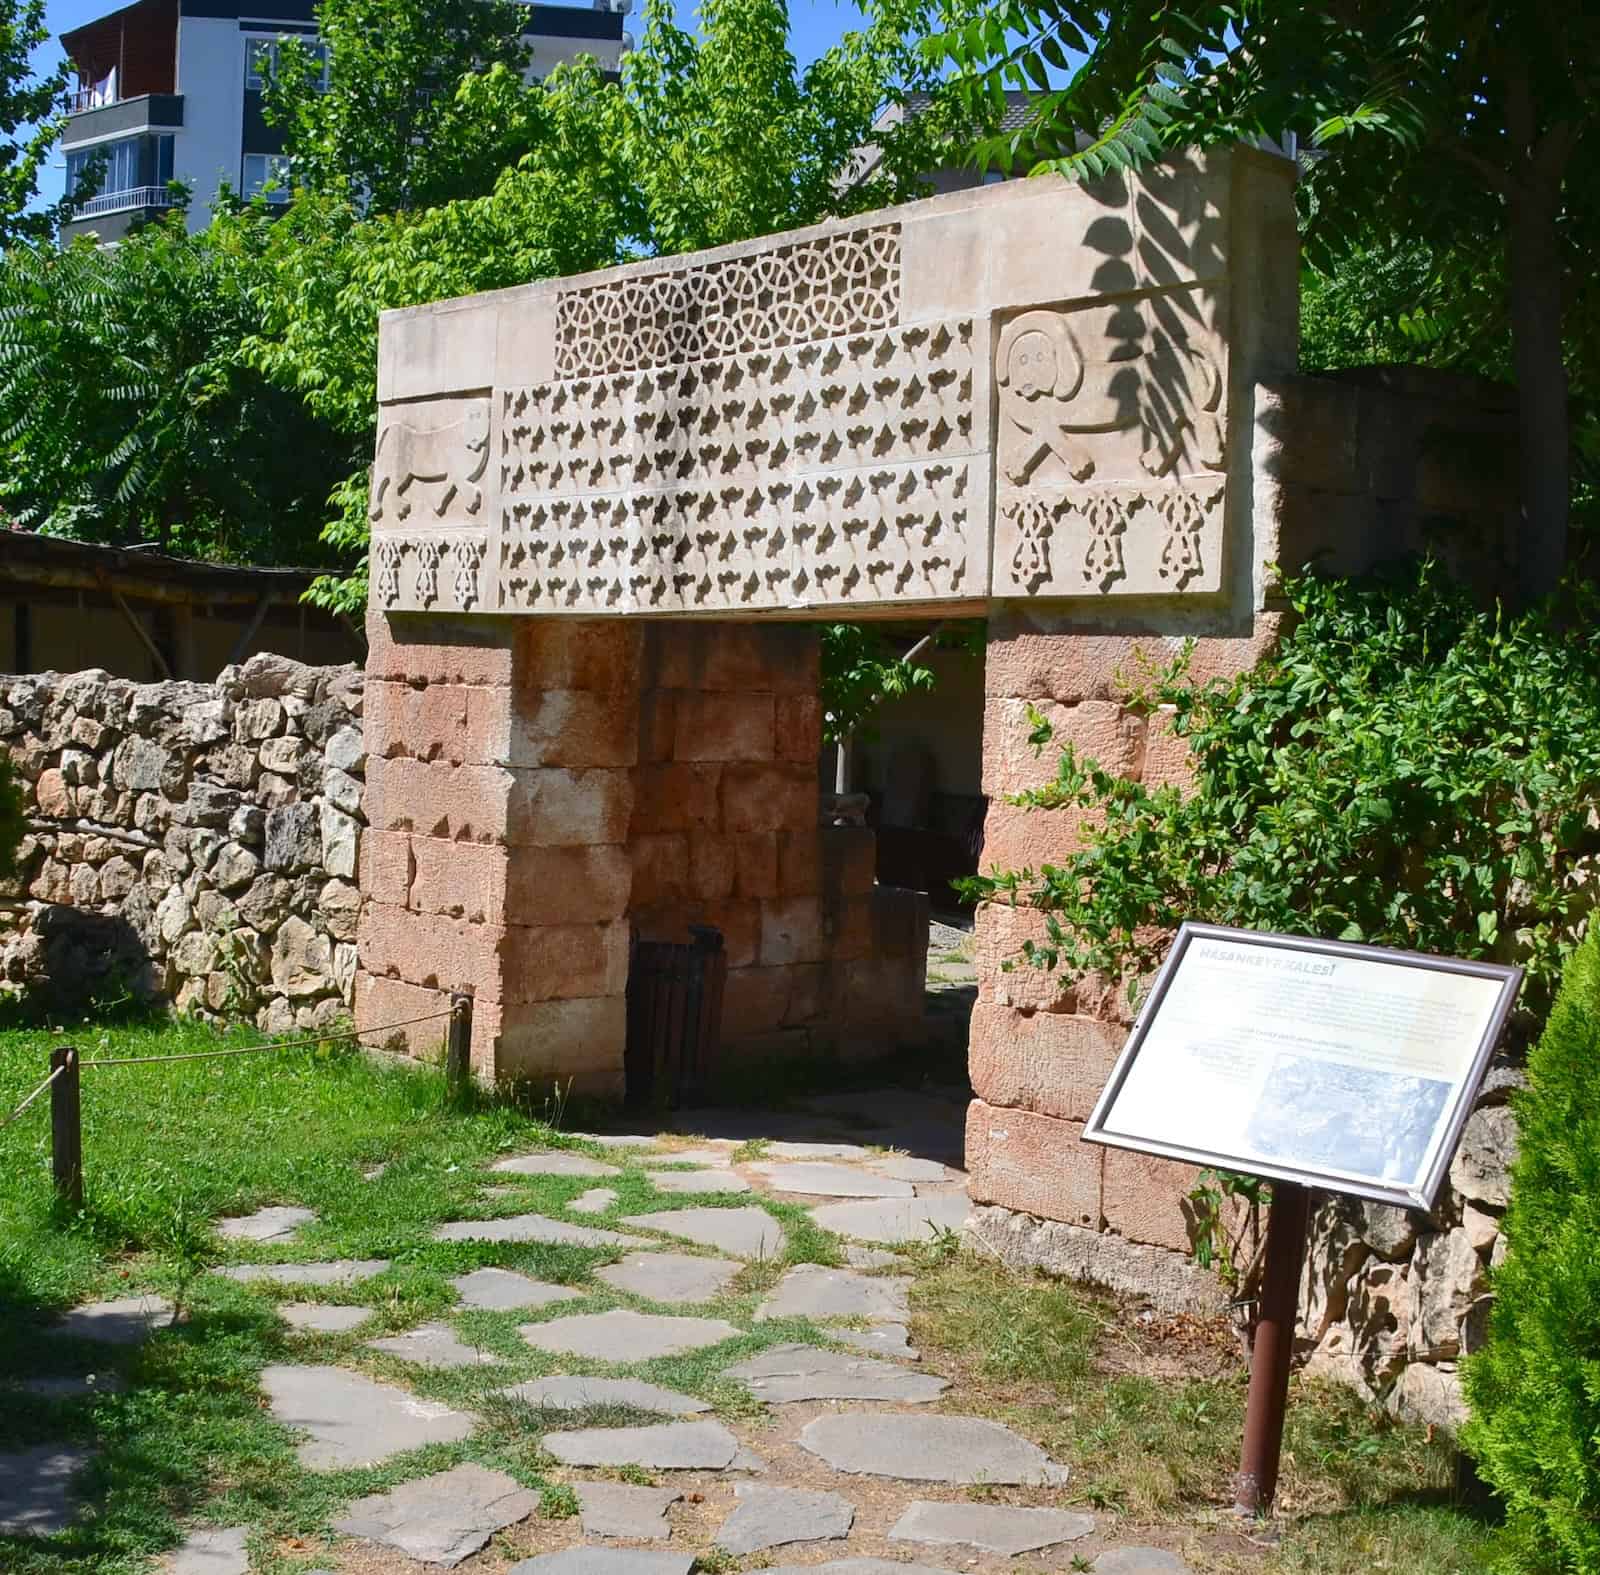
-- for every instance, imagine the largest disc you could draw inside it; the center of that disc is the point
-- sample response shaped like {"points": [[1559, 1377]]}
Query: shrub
{"points": [[1409, 769], [1535, 1389]]}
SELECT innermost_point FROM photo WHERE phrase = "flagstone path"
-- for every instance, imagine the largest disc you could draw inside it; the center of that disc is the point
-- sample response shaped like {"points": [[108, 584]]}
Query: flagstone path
{"points": [[841, 1452]]}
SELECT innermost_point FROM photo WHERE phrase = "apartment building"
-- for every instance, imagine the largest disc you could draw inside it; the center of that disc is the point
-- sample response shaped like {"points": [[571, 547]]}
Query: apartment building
{"points": [[171, 90]]}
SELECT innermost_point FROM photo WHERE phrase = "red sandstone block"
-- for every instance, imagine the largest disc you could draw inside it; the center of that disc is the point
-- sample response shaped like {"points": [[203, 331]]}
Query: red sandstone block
{"points": [[676, 798], [748, 658], [566, 961], [458, 880], [380, 1002], [427, 648], [600, 655], [756, 864], [999, 932], [849, 859], [1034, 1164], [1146, 1199], [657, 719], [555, 807], [768, 798], [430, 949], [660, 869], [1015, 838], [807, 993], [847, 926], [1167, 759], [1054, 1063], [755, 1001], [571, 885], [576, 1044], [1099, 730], [883, 993], [791, 931], [713, 866], [424, 722], [800, 862], [722, 726], [900, 924], [740, 923], [386, 866], [798, 724], [435, 799], [558, 727]]}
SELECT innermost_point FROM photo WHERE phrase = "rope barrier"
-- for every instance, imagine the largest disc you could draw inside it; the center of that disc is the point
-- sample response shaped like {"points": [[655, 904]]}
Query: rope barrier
{"points": [[31, 1097], [290, 1044]]}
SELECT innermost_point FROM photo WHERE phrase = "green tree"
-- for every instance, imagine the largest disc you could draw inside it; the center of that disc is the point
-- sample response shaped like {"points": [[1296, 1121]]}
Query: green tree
{"points": [[127, 412], [1408, 770], [29, 121], [424, 102], [1533, 1389], [1467, 125]]}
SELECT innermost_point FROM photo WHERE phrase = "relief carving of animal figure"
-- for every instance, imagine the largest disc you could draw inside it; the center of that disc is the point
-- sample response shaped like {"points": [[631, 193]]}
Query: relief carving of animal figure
{"points": [[1055, 399], [443, 462]]}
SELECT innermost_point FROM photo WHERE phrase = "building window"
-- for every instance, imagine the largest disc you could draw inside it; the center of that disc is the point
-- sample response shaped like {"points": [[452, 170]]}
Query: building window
{"points": [[126, 165], [260, 169], [261, 59]]}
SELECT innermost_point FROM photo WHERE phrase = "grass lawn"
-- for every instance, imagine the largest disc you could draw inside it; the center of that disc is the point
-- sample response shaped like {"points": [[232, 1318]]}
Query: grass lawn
{"points": [[1147, 1419]]}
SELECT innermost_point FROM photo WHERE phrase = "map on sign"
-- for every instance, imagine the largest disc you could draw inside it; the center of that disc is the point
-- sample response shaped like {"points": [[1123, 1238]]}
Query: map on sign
{"points": [[1346, 1067]]}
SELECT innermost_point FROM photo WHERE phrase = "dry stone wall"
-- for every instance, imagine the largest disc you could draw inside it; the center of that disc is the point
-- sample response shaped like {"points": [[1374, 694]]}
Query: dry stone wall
{"points": [[191, 841]]}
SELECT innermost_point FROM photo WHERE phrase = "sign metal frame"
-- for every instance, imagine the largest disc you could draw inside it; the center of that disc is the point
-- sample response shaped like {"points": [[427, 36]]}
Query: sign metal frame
{"points": [[1509, 978]]}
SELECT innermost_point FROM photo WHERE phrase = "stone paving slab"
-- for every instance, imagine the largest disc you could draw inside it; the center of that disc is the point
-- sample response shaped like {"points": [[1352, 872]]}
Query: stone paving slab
{"points": [[322, 1319], [883, 1339], [694, 1182], [581, 1394], [772, 1517], [622, 1335], [339, 1271], [433, 1345], [36, 1489], [745, 1233], [128, 1320], [1139, 1561], [354, 1421], [669, 1276], [904, 1167], [894, 1220], [929, 1449], [555, 1162], [277, 1223], [70, 1386], [994, 1528], [800, 1150], [871, 1257], [856, 1567], [532, 1227], [821, 1180], [613, 1509], [595, 1201], [661, 1446], [617, 1139], [444, 1518], [812, 1291], [215, 1550], [787, 1374], [693, 1156], [605, 1561], [504, 1290]]}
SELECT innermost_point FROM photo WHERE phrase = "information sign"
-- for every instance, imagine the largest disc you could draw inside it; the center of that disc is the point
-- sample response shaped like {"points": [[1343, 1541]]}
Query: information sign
{"points": [[1350, 1068]]}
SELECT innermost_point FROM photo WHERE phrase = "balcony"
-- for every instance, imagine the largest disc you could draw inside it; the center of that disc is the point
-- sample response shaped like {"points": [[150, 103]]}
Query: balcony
{"points": [[124, 201], [99, 117]]}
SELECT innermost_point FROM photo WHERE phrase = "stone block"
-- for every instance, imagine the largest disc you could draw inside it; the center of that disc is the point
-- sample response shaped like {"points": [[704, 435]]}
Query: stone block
{"points": [[556, 808], [1005, 976], [849, 859], [657, 725], [756, 1001], [1033, 1163], [848, 926], [424, 648], [435, 799], [712, 866], [558, 727], [571, 885], [1016, 838], [677, 797], [660, 868], [293, 838], [424, 722], [579, 1042], [755, 857], [454, 879], [51, 796], [739, 922], [600, 656], [751, 658], [1050, 1062], [1167, 758], [381, 1001], [387, 866], [800, 862], [768, 798], [723, 727], [798, 729], [1145, 1199], [1099, 730], [791, 931]]}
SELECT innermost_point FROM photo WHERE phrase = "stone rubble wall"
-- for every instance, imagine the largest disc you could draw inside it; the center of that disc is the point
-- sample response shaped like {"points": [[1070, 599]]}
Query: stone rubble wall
{"points": [[190, 841]]}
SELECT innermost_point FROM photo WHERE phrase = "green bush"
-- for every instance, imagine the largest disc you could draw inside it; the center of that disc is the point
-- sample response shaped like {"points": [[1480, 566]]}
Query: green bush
{"points": [[1409, 769], [1535, 1389]]}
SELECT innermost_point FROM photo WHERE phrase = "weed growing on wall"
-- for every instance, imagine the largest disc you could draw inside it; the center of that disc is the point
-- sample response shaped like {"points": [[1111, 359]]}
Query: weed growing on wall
{"points": [[1409, 769], [1533, 1391]]}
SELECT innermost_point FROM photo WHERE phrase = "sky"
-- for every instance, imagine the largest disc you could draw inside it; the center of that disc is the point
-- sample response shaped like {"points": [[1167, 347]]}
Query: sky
{"points": [[815, 25]]}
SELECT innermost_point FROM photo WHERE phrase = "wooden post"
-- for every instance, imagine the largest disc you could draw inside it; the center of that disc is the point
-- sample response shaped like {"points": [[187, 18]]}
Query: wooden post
{"points": [[1288, 1217], [458, 1046], [66, 1130]]}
